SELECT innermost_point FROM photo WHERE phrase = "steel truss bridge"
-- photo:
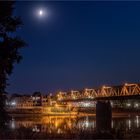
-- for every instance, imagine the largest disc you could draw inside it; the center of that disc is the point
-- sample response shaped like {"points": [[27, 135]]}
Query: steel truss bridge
{"points": [[126, 91]]}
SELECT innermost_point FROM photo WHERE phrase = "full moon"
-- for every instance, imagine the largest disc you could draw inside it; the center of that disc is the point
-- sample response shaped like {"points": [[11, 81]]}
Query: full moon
{"points": [[40, 12]]}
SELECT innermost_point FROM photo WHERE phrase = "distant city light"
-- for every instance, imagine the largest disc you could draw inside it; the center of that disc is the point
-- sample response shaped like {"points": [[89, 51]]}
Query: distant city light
{"points": [[103, 86], [136, 105], [56, 105], [86, 104], [13, 103], [125, 84], [128, 104]]}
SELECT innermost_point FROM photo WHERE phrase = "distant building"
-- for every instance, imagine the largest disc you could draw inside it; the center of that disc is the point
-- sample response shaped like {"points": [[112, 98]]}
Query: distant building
{"points": [[26, 101], [20, 101]]}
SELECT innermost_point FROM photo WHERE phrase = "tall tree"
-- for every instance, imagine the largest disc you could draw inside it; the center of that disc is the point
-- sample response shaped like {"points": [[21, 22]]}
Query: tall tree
{"points": [[10, 44]]}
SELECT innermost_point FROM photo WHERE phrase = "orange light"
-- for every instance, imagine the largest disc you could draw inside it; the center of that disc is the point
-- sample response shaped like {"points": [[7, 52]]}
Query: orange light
{"points": [[125, 84]]}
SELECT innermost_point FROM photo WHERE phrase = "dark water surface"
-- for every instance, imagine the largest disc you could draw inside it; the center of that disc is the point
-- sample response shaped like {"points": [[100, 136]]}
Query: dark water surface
{"points": [[72, 127]]}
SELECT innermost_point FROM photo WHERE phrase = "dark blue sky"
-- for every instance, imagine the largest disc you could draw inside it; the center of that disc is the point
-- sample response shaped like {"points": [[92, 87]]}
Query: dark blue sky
{"points": [[78, 45]]}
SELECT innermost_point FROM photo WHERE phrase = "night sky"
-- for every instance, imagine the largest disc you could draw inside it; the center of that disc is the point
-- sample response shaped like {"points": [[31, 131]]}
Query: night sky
{"points": [[77, 45]]}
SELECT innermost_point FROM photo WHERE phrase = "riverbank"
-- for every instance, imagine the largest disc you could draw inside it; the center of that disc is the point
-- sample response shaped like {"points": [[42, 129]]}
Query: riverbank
{"points": [[88, 112], [41, 114], [114, 114]]}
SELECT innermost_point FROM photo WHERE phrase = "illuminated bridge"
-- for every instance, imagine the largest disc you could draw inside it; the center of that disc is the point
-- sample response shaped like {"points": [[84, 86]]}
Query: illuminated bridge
{"points": [[126, 91]]}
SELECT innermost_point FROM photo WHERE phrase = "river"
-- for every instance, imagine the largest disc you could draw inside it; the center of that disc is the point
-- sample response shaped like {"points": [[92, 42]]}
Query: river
{"points": [[73, 127]]}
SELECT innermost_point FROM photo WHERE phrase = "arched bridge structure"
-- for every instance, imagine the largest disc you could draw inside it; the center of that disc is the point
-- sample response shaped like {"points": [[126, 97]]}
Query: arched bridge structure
{"points": [[126, 91]]}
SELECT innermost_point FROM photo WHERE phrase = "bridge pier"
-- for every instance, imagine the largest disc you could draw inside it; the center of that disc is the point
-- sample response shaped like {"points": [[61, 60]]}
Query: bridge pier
{"points": [[103, 115]]}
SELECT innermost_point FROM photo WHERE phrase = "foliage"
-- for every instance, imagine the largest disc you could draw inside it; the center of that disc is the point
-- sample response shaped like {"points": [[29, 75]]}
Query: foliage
{"points": [[10, 44], [37, 94]]}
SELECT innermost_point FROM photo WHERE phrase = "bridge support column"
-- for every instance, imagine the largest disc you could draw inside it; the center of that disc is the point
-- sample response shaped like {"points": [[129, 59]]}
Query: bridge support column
{"points": [[103, 116]]}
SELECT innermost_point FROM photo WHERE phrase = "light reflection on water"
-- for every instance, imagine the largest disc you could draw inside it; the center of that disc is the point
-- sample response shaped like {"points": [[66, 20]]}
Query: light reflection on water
{"points": [[60, 124], [137, 121]]}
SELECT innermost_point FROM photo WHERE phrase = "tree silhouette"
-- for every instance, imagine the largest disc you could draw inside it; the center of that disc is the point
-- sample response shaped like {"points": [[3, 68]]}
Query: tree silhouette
{"points": [[37, 93], [10, 44]]}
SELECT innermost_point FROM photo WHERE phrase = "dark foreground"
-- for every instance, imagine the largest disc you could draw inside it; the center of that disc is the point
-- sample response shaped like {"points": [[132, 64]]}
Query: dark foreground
{"points": [[71, 127]]}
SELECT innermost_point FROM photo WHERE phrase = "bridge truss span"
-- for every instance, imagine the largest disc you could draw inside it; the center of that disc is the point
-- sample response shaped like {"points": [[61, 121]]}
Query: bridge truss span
{"points": [[104, 92]]}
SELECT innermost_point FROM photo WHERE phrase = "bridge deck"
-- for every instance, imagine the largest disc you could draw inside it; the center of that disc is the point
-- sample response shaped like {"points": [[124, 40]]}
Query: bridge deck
{"points": [[126, 97]]}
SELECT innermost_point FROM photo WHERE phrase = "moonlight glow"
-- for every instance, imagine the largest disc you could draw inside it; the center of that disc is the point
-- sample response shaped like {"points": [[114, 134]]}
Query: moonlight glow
{"points": [[41, 12]]}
